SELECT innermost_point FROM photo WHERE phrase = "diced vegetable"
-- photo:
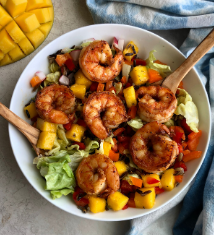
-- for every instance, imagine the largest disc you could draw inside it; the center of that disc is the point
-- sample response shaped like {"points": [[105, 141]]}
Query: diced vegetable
{"points": [[140, 62], [35, 81], [82, 201], [61, 59], [117, 201], [41, 75], [81, 79], [152, 180], [75, 133], [119, 131], [193, 140], [185, 126], [130, 51], [180, 164], [115, 146], [168, 179], [46, 140], [109, 84], [63, 80], [122, 138], [43, 125], [147, 201], [185, 152], [194, 135], [81, 122], [106, 148], [75, 54], [114, 156], [112, 89], [93, 86], [67, 126], [158, 190], [121, 167], [81, 145], [130, 97], [126, 188], [125, 207], [131, 202], [139, 75], [137, 182], [132, 112], [154, 76], [31, 110], [79, 91], [192, 155], [70, 64], [100, 87], [97, 204], [179, 178]]}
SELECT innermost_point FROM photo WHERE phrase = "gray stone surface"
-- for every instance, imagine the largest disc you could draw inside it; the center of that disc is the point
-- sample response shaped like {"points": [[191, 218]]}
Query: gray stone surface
{"points": [[22, 209]]}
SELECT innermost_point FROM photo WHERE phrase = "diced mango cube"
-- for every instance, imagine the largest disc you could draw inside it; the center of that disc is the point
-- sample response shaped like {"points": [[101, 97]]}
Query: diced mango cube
{"points": [[27, 22], [42, 14], [36, 37], [5, 18], [79, 91], [26, 46], [45, 28], [6, 43], [46, 140], [147, 178], [168, 179], [117, 201], [51, 12], [31, 110], [33, 4], [75, 133], [6, 60], [15, 32], [147, 201], [43, 125], [121, 167], [139, 75], [1, 55], [81, 79], [106, 148], [16, 7], [97, 204], [16, 54], [130, 97], [129, 50]]}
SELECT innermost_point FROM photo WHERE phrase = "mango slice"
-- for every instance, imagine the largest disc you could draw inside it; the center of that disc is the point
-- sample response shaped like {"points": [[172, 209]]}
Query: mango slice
{"points": [[24, 25]]}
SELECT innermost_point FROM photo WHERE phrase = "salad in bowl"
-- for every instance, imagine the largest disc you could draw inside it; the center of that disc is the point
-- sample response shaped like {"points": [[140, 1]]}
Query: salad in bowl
{"points": [[112, 138]]}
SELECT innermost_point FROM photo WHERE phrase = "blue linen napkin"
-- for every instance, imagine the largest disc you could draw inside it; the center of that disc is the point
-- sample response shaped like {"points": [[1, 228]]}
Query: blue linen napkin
{"points": [[197, 213]]}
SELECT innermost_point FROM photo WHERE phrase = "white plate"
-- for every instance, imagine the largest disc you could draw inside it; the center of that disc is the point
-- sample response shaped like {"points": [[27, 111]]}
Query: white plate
{"points": [[146, 42]]}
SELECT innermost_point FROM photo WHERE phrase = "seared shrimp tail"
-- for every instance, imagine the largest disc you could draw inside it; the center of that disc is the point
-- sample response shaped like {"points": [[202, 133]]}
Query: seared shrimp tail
{"points": [[98, 64], [151, 149]]}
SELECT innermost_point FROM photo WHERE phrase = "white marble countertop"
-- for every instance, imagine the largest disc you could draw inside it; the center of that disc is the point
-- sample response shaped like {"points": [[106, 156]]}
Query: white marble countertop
{"points": [[22, 209]]}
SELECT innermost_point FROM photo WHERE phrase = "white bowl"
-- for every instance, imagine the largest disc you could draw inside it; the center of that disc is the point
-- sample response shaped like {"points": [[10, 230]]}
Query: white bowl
{"points": [[146, 42]]}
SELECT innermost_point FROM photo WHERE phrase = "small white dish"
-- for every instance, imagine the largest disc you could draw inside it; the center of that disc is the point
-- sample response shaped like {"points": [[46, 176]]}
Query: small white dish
{"points": [[146, 42]]}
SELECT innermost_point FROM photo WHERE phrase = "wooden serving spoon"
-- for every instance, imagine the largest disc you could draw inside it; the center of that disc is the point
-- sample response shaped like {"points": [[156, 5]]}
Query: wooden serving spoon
{"points": [[29, 131], [173, 80]]}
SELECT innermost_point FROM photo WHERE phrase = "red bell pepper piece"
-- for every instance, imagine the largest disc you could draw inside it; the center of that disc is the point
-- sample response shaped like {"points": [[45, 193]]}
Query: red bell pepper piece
{"points": [[126, 188], [94, 86], [122, 138], [180, 148], [83, 201], [125, 207], [81, 123], [67, 126], [128, 84], [140, 62], [81, 145], [158, 190], [185, 126], [180, 164], [178, 137], [70, 64], [151, 180], [131, 202]]}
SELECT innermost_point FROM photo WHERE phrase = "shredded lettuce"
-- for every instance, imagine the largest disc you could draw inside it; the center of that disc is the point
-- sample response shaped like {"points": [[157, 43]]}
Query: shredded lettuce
{"points": [[91, 145], [135, 123], [118, 86], [52, 78], [101, 149], [188, 109], [54, 67], [110, 139], [162, 69], [85, 44], [58, 193]]}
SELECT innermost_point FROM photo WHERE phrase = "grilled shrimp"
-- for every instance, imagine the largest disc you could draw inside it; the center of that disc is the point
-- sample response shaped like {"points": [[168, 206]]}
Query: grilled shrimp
{"points": [[97, 62], [97, 174], [151, 149], [156, 103], [55, 104], [103, 111]]}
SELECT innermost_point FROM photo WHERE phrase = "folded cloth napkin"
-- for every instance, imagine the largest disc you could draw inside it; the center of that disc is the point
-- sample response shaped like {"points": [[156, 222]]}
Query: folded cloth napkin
{"points": [[197, 213]]}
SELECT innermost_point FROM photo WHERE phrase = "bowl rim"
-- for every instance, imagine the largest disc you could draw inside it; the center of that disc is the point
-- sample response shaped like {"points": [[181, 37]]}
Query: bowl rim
{"points": [[151, 210]]}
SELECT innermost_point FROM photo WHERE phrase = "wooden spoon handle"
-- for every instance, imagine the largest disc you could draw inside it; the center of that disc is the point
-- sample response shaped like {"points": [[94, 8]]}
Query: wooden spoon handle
{"points": [[29, 131], [173, 80]]}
